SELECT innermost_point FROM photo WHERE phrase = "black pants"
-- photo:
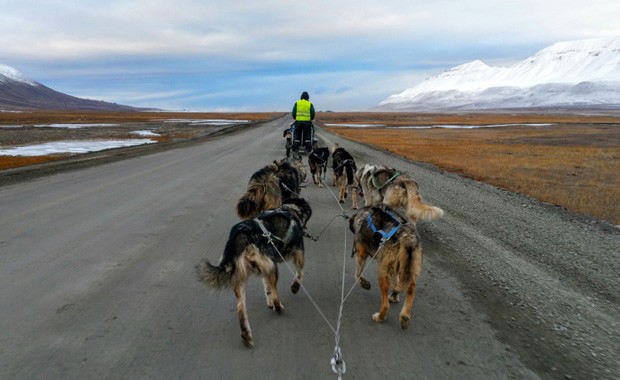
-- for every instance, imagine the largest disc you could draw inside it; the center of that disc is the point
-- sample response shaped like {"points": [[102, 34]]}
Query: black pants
{"points": [[303, 134]]}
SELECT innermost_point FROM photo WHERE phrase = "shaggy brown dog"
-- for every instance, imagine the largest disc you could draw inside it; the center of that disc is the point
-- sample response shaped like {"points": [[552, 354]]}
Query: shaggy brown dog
{"points": [[400, 256], [271, 185], [383, 185], [344, 174], [249, 251]]}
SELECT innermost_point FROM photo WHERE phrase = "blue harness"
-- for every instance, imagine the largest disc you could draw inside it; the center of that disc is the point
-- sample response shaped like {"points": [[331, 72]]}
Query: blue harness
{"points": [[384, 235]]}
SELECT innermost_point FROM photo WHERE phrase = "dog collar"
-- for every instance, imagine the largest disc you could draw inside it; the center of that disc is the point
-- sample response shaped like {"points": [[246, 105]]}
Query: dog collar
{"points": [[375, 184]]}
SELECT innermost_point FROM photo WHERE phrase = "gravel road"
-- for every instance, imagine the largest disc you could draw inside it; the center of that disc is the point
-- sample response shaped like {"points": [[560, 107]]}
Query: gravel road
{"points": [[96, 277]]}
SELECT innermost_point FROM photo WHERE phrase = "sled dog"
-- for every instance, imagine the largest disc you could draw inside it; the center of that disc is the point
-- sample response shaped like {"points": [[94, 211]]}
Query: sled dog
{"points": [[399, 257], [270, 186], [383, 185], [344, 174], [249, 251], [317, 160]]}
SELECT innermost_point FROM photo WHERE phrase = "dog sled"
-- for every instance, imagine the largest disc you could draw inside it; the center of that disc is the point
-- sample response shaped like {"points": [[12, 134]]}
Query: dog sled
{"points": [[300, 139]]}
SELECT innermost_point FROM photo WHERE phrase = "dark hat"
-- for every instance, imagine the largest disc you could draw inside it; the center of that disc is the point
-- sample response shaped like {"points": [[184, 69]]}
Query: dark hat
{"points": [[304, 95]]}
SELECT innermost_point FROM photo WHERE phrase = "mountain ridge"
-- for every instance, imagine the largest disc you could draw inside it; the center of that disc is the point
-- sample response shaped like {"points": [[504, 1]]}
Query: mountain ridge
{"points": [[579, 73], [18, 92]]}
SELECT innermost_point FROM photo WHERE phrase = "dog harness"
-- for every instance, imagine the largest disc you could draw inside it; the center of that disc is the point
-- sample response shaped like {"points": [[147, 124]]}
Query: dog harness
{"points": [[319, 157], [384, 235], [375, 184], [344, 163], [266, 233]]}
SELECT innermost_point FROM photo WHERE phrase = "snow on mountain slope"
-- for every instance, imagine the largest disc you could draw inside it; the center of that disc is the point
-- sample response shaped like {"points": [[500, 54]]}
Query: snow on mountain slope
{"points": [[8, 73], [573, 73]]}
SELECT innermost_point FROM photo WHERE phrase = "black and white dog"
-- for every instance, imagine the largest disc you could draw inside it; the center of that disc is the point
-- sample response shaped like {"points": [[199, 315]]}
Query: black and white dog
{"points": [[256, 246]]}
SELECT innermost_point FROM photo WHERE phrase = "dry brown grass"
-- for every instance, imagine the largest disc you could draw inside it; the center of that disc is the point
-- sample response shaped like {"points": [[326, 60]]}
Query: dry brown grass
{"points": [[575, 163], [7, 162], [26, 134]]}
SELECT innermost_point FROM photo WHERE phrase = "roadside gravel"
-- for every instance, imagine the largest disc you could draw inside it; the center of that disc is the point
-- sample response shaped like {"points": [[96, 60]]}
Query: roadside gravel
{"points": [[548, 279]]}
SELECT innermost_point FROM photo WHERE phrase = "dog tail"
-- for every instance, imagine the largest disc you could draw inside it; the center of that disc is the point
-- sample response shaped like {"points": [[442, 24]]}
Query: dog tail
{"points": [[262, 194], [216, 277], [350, 173], [416, 207]]}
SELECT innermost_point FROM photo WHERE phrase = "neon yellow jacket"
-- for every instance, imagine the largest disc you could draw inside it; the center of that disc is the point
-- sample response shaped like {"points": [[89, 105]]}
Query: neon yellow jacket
{"points": [[303, 110]]}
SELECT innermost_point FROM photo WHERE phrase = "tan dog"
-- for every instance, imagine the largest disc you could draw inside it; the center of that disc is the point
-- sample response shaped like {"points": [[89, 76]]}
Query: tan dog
{"points": [[270, 186], [399, 258], [383, 185]]}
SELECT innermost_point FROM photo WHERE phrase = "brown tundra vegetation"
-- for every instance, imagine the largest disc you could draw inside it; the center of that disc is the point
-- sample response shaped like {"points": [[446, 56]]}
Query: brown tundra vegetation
{"points": [[572, 161], [569, 160]]}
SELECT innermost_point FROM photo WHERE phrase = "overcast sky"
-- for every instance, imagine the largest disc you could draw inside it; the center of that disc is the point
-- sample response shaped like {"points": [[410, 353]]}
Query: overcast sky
{"points": [[240, 55]]}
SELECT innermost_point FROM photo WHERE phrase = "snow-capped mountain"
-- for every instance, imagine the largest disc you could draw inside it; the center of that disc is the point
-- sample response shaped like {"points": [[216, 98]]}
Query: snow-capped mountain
{"points": [[18, 92], [582, 73]]}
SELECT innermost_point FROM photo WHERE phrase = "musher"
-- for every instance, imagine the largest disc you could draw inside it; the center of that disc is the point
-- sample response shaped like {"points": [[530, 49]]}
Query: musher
{"points": [[303, 113]]}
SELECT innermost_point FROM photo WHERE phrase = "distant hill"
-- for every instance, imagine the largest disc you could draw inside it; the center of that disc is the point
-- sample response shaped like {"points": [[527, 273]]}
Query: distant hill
{"points": [[17, 92], [582, 74]]}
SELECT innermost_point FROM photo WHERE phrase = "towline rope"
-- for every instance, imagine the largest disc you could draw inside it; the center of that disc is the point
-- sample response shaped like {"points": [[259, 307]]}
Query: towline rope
{"points": [[337, 362]]}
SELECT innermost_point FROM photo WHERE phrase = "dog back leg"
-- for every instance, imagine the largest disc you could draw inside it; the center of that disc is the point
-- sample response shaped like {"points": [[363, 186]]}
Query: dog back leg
{"points": [[270, 281], [354, 197], [384, 287], [315, 174], [342, 188], [360, 261], [405, 313], [244, 323], [268, 271], [298, 258]]}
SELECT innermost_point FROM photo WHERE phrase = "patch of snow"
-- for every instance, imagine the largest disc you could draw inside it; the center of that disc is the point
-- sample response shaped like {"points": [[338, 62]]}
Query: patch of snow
{"points": [[73, 147], [207, 121], [74, 126], [145, 133], [8, 72], [356, 125]]}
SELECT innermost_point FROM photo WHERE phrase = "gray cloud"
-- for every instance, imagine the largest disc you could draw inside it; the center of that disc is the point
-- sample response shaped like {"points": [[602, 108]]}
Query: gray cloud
{"points": [[353, 52]]}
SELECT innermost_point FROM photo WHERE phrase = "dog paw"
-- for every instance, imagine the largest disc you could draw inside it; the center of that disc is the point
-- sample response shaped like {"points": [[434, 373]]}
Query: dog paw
{"points": [[404, 322], [279, 308], [377, 317], [364, 283], [341, 201], [295, 287], [247, 340]]}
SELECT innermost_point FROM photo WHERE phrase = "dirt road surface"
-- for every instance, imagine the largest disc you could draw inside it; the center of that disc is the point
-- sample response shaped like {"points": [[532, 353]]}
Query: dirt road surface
{"points": [[97, 279]]}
